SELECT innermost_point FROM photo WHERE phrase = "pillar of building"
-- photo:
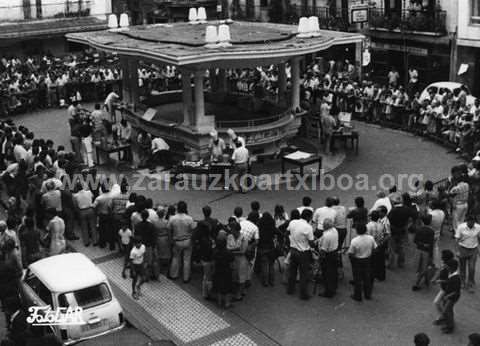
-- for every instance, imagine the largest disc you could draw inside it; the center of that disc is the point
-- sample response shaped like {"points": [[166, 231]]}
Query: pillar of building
{"points": [[187, 97], [222, 80], [129, 80], [202, 123], [212, 76], [358, 59], [256, 10], [282, 83], [295, 103], [199, 97]]}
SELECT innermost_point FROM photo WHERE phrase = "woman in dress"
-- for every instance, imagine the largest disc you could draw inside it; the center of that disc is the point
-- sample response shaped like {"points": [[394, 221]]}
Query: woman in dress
{"points": [[163, 240], [238, 244], [280, 216], [266, 248], [56, 230], [222, 272]]}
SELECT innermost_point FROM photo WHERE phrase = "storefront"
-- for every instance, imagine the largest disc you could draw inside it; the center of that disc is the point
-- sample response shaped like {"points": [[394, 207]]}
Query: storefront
{"points": [[430, 56], [468, 67]]}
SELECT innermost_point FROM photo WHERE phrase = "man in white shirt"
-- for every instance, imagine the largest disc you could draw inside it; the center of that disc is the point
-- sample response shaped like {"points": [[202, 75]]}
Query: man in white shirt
{"points": [[247, 228], [393, 77], [234, 139], [382, 199], [240, 158], [438, 217], [323, 213], [19, 150], [328, 247], [73, 109], [301, 240], [216, 146], [160, 154], [112, 97], [306, 204], [467, 236], [360, 252], [251, 233], [83, 201]]}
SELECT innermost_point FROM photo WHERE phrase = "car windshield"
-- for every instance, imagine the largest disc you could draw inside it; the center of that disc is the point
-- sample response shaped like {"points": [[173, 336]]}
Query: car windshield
{"points": [[88, 297]]}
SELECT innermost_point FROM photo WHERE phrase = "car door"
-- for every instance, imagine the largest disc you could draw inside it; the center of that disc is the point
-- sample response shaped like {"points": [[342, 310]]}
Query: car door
{"points": [[34, 292]]}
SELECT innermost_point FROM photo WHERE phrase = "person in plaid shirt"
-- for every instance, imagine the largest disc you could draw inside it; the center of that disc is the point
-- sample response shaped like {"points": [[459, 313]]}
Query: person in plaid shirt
{"points": [[459, 194]]}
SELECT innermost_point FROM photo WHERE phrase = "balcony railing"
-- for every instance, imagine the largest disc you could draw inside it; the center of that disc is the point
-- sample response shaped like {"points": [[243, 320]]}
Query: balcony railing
{"points": [[328, 19], [48, 9], [409, 20]]}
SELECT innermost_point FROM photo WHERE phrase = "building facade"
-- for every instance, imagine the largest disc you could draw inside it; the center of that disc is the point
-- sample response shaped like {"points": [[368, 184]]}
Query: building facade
{"points": [[161, 11], [412, 33], [37, 26], [466, 59]]}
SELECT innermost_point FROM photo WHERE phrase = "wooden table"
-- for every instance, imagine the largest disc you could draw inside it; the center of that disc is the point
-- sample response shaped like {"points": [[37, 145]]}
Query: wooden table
{"points": [[111, 149], [345, 136], [302, 163]]}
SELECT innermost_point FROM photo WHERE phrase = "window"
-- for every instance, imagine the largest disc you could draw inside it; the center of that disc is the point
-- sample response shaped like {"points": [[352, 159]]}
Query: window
{"points": [[88, 297], [39, 288], [475, 17]]}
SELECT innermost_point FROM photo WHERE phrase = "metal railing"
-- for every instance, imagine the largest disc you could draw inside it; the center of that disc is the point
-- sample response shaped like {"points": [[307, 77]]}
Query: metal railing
{"points": [[409, 20], [328, 18], [224, 124], [46, 10]]}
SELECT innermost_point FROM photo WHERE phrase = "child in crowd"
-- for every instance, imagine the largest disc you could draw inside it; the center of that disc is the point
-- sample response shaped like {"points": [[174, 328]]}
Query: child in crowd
{"points": [[452, 288], [125, 235], [440, 278], [137, 255]]}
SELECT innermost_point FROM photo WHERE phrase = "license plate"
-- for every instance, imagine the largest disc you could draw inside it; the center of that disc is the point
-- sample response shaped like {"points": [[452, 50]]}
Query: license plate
{"points": [[87, 327]]}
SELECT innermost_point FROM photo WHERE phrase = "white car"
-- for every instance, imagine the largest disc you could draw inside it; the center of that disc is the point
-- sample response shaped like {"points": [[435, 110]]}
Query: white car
{"points": [[71, 282], [450, 86]]}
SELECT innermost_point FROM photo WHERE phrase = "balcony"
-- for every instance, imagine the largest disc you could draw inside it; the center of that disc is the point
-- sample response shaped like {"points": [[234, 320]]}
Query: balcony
{"points": [[328, 19], [46, 9], [432, 23]]}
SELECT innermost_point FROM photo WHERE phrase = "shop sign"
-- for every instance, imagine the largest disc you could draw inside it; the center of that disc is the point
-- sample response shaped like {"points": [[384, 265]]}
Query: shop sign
{"points": [[359, 14], [400, 48]]}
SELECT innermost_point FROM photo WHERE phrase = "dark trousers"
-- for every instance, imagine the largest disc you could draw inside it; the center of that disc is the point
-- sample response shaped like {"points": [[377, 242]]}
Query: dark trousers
{"points": [[447, 313], [68, 217], [342, 234], [378, 263], [267, 262], [330, 273], [161, 157], [362, 277], [299, 261], [105, 231]]}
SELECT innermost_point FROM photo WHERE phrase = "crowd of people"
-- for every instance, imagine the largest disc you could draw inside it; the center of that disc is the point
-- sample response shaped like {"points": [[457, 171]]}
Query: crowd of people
{"points": [[449, 116], [39, 82], [44, 212]]}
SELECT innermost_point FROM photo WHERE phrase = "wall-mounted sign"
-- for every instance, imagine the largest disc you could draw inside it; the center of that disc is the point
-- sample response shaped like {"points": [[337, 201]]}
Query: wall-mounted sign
{"points": [[366, 57], [400, 48], [358, 14], [463, 68]]}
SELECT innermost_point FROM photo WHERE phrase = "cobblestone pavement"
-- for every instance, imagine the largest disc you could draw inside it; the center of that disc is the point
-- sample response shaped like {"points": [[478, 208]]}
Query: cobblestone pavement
{"points": [[267, 316]]}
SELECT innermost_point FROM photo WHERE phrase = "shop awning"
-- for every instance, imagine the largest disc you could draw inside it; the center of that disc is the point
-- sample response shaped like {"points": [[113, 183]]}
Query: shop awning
{"points": [[49, 27], [397, 35]]}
